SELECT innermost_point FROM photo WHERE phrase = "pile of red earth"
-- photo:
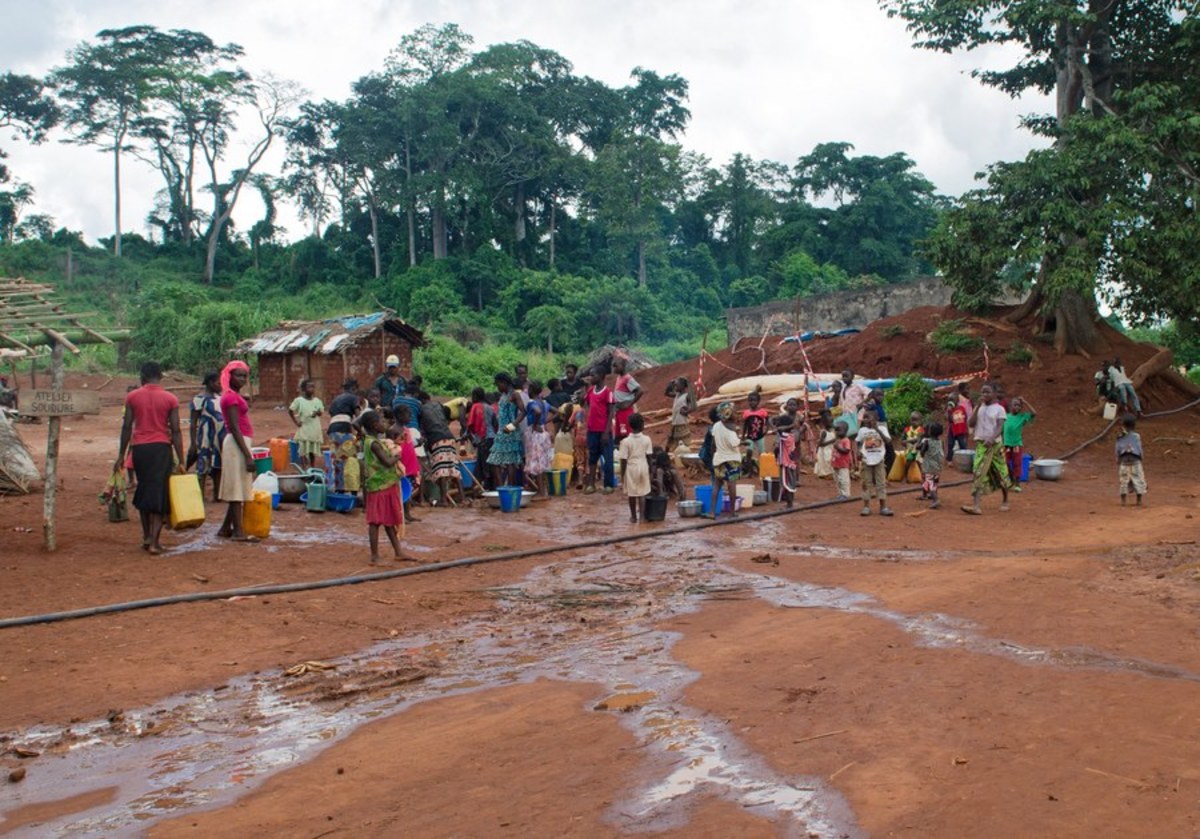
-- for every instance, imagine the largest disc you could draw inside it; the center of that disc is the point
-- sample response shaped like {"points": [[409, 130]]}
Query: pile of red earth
{"points": [[1060, 388]]}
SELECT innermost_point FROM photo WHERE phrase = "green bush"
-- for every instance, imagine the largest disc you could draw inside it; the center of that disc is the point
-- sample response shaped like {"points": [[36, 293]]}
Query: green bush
{"points": [[909, 393], [1019, 353], [450, 369], [950, 336]]}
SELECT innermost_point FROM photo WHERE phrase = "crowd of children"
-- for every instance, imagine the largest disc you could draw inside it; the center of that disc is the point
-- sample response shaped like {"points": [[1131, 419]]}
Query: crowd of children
{"points": [[374, 440]]}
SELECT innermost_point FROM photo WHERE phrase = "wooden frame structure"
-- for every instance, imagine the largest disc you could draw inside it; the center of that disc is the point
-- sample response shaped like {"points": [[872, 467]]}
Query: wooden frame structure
{"points": [[30, 318]]}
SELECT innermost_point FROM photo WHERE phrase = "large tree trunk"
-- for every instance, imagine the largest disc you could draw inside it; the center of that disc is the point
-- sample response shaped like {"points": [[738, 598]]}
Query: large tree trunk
{"points": [[1027, 309], [519, 210], [553, 209], [210, 253], [641, 249], [1157, 363], [1075, 330], [374, 214], [117, 193], [439, 226], [410, 212]]}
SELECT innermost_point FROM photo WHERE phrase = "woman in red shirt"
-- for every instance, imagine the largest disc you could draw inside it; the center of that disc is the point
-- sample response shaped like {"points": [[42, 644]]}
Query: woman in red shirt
{"points": [[150, 431], [237, 465]]}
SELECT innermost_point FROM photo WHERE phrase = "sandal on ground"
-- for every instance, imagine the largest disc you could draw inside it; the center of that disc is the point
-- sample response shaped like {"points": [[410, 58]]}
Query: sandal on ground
{"points": [[886, 512], [866, 511], [971, 511], [249, 540], [1004, 508]]}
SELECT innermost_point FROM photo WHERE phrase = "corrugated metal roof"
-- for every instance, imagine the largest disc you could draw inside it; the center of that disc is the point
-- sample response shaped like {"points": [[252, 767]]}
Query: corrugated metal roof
{"points": [[327, 336]]}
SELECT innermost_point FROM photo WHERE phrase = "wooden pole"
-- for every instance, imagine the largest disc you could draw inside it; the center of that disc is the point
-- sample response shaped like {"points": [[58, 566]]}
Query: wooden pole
{"points": [[50, 492]]}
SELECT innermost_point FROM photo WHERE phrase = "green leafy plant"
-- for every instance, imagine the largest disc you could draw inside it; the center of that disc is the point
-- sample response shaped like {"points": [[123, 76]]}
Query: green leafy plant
{"points": [[895, 330], [909, 393], [1019, 353], [950, 336]]}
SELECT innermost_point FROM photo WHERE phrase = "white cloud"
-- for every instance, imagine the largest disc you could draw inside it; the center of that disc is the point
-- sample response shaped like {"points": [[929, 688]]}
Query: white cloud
{"points": [[770, 79]]}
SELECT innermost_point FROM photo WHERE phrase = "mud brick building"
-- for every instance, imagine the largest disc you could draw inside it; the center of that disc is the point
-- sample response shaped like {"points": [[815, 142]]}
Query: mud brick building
{"points": [[328, 352]]}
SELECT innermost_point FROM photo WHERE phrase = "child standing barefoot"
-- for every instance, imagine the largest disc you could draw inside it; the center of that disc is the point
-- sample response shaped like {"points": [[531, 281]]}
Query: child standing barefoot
{"points": [[841, 460], [1129, 460], [382, 483], [872, 442], [634, 455], [933, 458]]}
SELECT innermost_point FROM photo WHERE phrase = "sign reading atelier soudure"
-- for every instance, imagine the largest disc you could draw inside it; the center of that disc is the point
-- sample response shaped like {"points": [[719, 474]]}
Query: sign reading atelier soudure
{"points": [[60, 403]]}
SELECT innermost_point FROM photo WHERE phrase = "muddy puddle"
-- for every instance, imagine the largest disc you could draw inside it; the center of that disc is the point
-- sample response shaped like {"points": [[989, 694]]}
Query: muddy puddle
{"points": [[593, 618]]}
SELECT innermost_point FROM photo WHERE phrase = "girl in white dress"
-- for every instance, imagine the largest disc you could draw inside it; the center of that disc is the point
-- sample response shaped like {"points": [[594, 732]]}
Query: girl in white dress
{"points": [[634, 455]]}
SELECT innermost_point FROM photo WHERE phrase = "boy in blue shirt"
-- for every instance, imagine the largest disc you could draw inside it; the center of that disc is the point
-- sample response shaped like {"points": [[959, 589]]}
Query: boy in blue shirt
{"points": [[1129, 460]]}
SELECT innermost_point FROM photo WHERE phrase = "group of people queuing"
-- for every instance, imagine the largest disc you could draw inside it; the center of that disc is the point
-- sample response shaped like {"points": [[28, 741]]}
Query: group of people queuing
{"points": [[585, 427], [851, 438]]}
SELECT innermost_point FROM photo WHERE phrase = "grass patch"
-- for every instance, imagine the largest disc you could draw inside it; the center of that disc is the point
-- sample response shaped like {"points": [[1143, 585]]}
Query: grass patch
{"points": [[951, 336], [895, 330], [1019, 353]]}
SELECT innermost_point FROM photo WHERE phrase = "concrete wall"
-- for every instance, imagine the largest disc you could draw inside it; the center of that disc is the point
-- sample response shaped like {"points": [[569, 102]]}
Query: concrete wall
{"points": [[830, 312]]}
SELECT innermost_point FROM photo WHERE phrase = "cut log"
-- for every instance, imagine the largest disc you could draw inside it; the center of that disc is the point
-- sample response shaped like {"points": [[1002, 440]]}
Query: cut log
{"points": [[1157, 363], [19, 475]]}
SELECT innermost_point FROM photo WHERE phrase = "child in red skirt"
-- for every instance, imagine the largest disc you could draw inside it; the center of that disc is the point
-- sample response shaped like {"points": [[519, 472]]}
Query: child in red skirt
{"points": [[382, 484]]}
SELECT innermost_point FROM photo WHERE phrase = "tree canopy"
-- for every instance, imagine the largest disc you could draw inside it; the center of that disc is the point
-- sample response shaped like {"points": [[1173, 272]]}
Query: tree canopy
{"points": [[1109, 209], [476, 190]]}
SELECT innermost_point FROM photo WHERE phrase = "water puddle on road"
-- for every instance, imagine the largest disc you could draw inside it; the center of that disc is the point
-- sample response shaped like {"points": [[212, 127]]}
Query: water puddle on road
{"points": [[591, 619]]}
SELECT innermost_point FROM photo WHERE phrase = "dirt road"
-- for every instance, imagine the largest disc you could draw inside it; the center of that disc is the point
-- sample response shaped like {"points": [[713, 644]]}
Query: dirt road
{"points": [[1029, 673]]}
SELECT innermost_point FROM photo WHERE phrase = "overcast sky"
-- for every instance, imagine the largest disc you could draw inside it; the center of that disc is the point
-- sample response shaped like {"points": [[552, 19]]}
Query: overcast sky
{"points": [[770, 79]]}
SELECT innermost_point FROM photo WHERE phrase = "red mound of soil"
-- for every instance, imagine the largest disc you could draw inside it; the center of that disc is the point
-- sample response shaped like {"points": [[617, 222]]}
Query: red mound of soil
{"points": [[1061, 389]]}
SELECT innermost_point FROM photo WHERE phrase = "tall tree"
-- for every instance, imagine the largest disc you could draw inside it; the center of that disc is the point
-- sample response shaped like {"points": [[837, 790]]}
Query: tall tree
{"points": [[640, 170], [272, 101], [883, 207], [106, 87], [1066, 217], [27, 109], [195, 90]]}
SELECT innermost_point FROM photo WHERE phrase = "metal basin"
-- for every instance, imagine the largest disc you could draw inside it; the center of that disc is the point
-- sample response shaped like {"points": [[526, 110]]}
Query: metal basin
{"points": [[1048, 469]]}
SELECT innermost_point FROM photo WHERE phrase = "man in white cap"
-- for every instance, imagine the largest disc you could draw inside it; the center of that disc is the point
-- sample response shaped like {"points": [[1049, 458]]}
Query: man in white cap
{"points": [[391, 384]]}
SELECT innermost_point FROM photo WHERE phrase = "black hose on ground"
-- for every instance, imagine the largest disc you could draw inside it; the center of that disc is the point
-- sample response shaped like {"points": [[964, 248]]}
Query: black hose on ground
{"points": [[285, 588]]}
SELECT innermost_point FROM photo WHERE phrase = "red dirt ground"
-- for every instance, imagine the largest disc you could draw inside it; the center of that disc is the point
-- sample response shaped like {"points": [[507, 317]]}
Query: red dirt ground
{"points": [[919, 741]]}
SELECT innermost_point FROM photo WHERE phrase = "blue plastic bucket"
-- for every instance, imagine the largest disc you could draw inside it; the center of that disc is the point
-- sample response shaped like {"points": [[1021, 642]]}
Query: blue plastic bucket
{"points": [[556, 481], [510, 499], [466, 472], [704, 496], [1026, 459], [405, 490], [294, 452]]}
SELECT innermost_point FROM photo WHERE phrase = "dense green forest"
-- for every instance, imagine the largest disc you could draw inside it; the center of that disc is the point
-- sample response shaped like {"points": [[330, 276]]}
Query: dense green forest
{"points": [[483, 194], [500, 200]]}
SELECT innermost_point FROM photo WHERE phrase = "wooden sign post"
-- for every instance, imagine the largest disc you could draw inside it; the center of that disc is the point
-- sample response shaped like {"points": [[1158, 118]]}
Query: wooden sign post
{"points": [[61, 403], [31, 318], [50, 492]]}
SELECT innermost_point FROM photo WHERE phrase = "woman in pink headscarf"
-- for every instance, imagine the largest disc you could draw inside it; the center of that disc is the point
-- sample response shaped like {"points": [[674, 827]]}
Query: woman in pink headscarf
{"points": [[237, 466]]}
